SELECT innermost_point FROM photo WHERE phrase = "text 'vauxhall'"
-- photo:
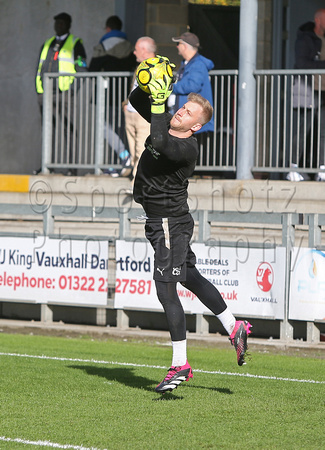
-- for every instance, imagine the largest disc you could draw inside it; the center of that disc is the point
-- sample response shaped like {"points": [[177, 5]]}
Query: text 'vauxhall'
{"points": [[41, 259]]}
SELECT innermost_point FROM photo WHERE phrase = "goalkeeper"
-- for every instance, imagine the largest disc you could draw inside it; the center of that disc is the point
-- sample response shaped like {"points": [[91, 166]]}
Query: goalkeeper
{"points": [[161, 183]]}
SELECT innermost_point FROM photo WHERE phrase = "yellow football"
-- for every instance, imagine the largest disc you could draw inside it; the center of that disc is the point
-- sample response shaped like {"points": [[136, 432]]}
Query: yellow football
{"points": [[153, 68]]}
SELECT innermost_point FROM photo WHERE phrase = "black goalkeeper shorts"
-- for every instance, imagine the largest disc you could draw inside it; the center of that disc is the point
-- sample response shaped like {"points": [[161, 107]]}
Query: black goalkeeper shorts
{"points": [[170, 238]]}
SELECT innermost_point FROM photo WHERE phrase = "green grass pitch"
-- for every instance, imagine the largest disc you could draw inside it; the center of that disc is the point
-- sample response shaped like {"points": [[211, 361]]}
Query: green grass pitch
{"points": [[84, 393]]}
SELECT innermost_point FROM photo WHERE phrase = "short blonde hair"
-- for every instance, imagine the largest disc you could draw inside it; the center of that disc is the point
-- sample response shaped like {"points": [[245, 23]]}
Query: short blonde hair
{"points": [[207, 110]]}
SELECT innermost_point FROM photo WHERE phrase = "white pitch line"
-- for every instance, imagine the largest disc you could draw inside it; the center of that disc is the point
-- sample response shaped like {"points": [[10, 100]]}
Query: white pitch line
{"points": [[46, 444], [116, 363], [95, 361], [263, 377]]}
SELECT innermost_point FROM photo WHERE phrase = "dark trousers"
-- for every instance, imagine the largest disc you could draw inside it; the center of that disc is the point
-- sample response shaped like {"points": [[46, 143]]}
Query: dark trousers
{"points": [[306, 136], [64, 131]]}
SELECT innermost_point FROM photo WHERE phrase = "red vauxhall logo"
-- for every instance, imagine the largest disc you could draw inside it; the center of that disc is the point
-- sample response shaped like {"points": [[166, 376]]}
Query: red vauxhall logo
{"points": [[265, 276]]}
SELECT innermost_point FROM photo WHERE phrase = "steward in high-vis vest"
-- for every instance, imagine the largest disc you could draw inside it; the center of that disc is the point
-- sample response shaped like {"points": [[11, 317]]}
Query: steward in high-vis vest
{"points": [[63, 53]]}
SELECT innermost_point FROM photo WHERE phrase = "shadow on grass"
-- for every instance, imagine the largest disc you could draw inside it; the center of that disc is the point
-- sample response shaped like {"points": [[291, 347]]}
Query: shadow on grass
{"points": [[123, 375], [127, 377], [216, 389]]}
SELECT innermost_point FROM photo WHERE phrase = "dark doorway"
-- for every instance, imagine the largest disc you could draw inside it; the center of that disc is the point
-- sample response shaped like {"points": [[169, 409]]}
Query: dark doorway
{"points": [[218, 30]]}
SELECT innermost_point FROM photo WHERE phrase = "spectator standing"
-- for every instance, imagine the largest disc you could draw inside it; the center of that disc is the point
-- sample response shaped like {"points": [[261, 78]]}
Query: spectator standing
{"points": [[63, 53], [309, 54], [192, 76], [114, 53], [136, 127]]}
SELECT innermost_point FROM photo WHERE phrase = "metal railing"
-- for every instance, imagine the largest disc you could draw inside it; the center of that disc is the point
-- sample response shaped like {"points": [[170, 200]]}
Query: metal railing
{"points": [[290, 120], [218, 152], [83, 128]]}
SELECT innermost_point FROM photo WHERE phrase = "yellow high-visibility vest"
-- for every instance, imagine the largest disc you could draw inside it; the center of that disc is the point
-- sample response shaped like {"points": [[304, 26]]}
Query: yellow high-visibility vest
{"points": [[66, 63]]}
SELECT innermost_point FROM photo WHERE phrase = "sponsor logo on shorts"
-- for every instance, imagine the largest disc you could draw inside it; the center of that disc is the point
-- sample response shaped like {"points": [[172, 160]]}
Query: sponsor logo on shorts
{"points": [[160, 271], [176, 271]]}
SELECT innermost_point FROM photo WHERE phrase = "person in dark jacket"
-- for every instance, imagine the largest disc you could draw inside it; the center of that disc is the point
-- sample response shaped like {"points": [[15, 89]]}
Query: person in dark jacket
{"points": [[160, 186], [114, 53], [309, 54]]}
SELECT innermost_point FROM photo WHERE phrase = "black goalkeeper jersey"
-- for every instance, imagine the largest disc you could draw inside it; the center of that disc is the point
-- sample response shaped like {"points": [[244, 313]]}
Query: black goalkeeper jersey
{"points": [[165, 165]]}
